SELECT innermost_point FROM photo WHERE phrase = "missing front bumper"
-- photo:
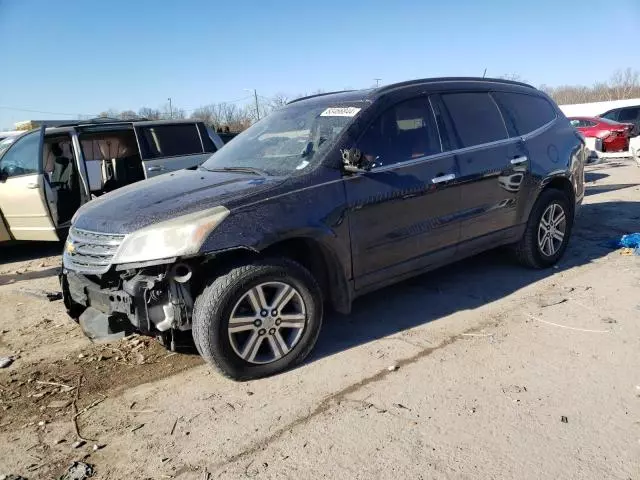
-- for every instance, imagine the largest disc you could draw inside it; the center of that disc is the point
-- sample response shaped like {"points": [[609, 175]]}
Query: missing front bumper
{"points": [[100, 327], [146, 301]]}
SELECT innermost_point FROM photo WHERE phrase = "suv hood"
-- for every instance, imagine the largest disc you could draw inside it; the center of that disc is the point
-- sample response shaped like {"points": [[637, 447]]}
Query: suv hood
{"points": [[168, 196]]}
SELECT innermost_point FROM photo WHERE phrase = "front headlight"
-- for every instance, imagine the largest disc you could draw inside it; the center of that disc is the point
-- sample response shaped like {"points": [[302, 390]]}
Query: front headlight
{"points": [[172, 238]]}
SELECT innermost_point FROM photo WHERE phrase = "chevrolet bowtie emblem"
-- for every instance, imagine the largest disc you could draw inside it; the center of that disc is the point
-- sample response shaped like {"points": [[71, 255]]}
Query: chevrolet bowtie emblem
{"points": [[70, 247]]}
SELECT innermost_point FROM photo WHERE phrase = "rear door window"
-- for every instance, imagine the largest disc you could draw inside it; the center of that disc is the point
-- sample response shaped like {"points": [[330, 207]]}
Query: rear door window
{"points": [[158, 141], [475, 117], [403, 132], [524, 113], [628, 114]]}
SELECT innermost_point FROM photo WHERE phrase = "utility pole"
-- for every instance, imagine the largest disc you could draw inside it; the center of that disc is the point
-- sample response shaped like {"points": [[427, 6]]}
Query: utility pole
{"points": [[255, 94], [377, 82], [485, 72], [170, 108]]}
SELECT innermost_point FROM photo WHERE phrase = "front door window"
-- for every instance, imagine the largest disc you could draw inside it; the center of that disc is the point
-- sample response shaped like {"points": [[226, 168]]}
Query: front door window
{"points": [[22, 157]]}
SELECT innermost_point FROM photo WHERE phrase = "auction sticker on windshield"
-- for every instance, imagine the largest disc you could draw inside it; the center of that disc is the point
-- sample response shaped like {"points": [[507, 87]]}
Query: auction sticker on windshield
{"points": [[340, 112]]}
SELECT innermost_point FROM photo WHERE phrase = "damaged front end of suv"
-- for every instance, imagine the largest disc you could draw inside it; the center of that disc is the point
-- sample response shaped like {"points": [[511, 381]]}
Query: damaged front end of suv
{"points": [[114, 284]]}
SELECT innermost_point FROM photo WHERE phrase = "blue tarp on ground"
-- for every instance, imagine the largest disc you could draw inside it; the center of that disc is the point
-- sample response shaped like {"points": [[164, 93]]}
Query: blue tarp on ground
{"points": [[631, 240]]}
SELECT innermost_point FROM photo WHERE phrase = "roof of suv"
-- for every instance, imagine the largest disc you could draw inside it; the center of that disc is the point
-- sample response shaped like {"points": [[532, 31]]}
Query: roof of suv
{"points": [[372, 93]]}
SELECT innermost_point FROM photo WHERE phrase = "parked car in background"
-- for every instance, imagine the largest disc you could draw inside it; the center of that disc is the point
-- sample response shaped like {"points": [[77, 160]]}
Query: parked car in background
{"points": [[614, 135], [328, 198], [226, 137], [47, 174], [625, 115]]}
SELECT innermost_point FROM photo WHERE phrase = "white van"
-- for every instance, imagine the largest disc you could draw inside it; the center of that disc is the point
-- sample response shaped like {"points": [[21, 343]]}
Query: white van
{"points": [[47, 174]]}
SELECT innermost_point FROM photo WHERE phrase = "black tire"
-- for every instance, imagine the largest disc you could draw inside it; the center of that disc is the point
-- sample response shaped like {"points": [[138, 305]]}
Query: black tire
{"points": [[213, 308], [527, 250]]}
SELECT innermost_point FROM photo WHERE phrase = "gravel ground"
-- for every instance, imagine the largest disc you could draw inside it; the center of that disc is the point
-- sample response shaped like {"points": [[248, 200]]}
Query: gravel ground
{"points": [[479, 370]]}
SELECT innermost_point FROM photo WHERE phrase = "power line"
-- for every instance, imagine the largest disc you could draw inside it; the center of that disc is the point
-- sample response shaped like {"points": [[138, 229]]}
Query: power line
{"points": [[4, 107], [30, 110]]}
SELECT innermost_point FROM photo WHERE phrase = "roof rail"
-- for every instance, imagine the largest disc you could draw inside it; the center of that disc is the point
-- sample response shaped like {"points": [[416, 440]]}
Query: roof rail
{"points": [[102, 120], [421, 81], [318, 95]]}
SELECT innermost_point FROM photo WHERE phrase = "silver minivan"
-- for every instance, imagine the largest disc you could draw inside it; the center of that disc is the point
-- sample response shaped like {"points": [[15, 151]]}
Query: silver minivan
{"points": [[47, 174]]}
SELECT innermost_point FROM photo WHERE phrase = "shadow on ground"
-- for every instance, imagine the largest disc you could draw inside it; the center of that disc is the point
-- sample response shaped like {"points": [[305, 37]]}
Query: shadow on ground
{"points": [[596, 189], [594, 176], [24, 251], [10, 278], [466, 285]]}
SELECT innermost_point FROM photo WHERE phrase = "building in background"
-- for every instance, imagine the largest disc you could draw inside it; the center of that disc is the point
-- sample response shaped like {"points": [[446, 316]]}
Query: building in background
{"points": [[31, 124]]}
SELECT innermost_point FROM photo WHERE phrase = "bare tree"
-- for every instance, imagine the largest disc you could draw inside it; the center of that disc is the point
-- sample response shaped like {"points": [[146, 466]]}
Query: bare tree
{"points": [[150, 113], [625, 84], [279, 100], [514, 77], [207, 114], [128, 115], [111, 113]]}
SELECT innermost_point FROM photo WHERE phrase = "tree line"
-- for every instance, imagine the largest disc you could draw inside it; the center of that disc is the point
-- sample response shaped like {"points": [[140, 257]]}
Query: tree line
{"points": [[622, 84]]}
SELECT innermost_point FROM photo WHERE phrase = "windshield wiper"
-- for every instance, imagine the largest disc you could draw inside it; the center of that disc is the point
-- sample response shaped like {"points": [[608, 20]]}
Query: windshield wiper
{"points": [[254, 171]]}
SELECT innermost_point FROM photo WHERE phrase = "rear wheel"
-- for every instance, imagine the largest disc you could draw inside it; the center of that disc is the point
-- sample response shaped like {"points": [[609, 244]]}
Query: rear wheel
{"points": [[258, 319], [548, 230]]}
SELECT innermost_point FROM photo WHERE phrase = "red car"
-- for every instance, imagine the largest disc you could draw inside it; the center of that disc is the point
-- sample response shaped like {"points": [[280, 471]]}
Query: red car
{"points": [[614, 135]]}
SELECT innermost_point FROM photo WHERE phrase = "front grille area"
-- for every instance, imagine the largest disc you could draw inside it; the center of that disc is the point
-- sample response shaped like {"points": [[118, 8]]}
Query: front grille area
{"points": [[90, 252]]}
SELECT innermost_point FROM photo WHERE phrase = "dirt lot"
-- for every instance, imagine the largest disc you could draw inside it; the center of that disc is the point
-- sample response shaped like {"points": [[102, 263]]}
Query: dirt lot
{"points": [[501, 373]]}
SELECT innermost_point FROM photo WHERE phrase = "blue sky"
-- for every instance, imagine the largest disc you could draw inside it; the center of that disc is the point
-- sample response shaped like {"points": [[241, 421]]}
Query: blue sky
{"points": [[84, 57]]}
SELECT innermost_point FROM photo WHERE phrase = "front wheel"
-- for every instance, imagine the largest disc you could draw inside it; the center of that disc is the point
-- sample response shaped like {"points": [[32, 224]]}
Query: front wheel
{"points": [[548, 230], [258, 319]]}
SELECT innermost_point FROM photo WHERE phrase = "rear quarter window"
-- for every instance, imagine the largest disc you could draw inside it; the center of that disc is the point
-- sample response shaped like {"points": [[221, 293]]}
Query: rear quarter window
{"points": [[169, 140], [524, 113], [475, 117]]}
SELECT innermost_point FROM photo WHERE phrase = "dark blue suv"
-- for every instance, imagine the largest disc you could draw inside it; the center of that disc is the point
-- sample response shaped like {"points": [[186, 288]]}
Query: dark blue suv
{"points": [[330, 197]]}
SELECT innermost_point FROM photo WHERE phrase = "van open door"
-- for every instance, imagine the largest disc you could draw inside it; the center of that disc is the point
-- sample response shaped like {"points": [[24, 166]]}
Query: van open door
{"points": [[22, 189], [169, 145]]}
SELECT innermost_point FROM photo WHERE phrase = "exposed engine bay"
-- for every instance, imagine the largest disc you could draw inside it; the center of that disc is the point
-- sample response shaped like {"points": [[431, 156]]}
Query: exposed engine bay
{"points": [[155, 300]]}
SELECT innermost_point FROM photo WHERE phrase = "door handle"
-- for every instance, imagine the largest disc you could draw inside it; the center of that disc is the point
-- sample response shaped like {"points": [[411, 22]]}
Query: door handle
{"points": [[519, 160], [443, 178], [155, 168], [32, 185]]}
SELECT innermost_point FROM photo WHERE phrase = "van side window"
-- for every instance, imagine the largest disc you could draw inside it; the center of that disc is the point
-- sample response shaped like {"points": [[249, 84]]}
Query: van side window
{"points": [[405, 131], [169, 140], [524, 113], [207, 143], [22, 157], [476, 118]]}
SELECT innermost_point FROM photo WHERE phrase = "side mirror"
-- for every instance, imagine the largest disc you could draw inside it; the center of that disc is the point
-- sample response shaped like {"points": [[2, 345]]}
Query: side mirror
{"points": [[3, 175], [354, 162]]}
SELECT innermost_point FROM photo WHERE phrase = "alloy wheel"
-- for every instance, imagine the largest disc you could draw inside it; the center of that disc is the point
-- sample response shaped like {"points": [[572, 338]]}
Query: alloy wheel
{"points": [[552, 229], [267, 322]]}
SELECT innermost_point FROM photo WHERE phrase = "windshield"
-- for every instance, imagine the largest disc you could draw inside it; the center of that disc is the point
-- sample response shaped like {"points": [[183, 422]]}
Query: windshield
{"points": [[288, 140]]}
